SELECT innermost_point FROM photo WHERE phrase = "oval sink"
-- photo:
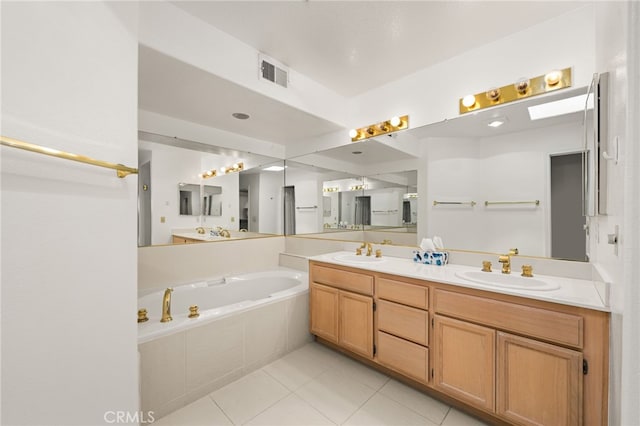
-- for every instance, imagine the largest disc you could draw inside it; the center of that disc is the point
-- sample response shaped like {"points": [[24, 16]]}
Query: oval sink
{"points": [[494, 279], [354, 258]]}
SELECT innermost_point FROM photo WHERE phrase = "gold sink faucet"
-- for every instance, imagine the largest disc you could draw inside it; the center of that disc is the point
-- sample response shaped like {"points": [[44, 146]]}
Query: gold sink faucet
{"points": [[367, 246], [166, 306], [506, 260]]}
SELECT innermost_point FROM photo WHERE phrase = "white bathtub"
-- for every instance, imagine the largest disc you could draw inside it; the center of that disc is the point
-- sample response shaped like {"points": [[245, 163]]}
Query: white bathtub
{"points": [[216, 298], [246, 322]]}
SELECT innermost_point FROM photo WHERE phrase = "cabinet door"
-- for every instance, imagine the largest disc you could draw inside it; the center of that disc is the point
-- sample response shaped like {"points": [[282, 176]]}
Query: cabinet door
{"points": [[464, 365], [323, 307], [538, 383], [356, 323]]}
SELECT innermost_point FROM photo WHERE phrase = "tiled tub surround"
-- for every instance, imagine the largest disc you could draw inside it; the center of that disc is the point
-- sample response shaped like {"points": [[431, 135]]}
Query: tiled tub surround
{"points": [[187, 363]]}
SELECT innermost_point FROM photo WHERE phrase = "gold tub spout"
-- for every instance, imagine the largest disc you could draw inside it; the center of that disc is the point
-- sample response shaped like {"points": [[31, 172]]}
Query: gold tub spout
{"points": [[166, 306]]}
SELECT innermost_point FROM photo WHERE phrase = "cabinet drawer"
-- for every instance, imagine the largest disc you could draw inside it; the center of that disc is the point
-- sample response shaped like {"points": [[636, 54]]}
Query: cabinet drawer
{"points": [[351, 281], [403, 321], [403, 356], [539, 323], [407, 294]]}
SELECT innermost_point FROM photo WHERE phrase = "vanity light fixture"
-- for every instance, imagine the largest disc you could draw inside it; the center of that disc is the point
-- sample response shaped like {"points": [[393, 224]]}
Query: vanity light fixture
{"points": [[357, 187], [331, 189], [385, 127], [236, 167], [208, 174], [522, 88]]}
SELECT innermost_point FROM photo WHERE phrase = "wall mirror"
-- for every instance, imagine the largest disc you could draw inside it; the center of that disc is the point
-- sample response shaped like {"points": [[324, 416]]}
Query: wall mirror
{"points": [[173, 200], [498, 179], [334, 194]]}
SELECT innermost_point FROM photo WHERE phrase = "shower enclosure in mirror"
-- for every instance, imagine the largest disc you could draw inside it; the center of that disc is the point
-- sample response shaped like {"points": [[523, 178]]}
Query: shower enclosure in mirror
{"points": [[178, 200]]}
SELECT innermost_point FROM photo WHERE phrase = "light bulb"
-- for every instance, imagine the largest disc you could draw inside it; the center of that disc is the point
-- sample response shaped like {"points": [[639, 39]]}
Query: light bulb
{"points": [[353, 133], [235, 166], [469, 101], [395, 121], [553, 78], [493, 94], [223, 169], [522, 85]]}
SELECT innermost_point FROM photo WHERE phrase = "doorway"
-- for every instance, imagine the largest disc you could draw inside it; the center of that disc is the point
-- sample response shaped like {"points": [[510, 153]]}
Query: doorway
{"points": [[568, 235], [289, 210], [144, 204], [363, 210]]}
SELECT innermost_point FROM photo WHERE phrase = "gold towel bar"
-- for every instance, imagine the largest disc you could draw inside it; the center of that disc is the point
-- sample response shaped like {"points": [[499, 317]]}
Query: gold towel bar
{"points": [[488, 203], [121, 170], [471, 203]]}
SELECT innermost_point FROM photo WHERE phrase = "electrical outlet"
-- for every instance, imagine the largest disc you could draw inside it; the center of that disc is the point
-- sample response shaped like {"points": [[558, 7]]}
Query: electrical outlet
{"points": [[163, 219], [233, 219]]}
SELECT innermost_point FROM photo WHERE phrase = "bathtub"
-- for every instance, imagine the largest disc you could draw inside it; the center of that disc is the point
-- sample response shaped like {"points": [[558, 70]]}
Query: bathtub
{"points": [[246, 321], [216, 298]]}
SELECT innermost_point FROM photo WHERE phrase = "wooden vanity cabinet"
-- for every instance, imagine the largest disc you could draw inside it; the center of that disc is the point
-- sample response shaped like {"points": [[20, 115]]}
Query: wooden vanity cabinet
{"points": [[184, 240], [464, 361], [341, 308], [509, 359], [402, 319]]}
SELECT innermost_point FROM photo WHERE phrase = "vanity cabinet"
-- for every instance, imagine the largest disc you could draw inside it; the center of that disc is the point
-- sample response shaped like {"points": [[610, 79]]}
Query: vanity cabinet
{"points": [[508, 358], [402, 333], [523, 380], [184, 240], [464, 364], [341, 308]]}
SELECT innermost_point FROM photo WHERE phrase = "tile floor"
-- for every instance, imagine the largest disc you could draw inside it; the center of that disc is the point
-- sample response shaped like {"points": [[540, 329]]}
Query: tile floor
{"points": [[315, 385]]}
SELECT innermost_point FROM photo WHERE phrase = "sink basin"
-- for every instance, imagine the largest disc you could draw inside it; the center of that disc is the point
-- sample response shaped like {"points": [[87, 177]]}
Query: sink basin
{"points": [[494, 279], [354, 258]]}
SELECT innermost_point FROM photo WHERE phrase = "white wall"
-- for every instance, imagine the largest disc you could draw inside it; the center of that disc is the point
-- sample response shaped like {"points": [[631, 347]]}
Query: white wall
{"points": [[69, 335], [618, 52], [432, 94], [512, 167], [271, 203]]}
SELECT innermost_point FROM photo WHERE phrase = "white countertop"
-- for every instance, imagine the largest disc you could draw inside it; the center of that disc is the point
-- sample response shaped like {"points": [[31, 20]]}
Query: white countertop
{"points": [[571, 291], [201, 237]]}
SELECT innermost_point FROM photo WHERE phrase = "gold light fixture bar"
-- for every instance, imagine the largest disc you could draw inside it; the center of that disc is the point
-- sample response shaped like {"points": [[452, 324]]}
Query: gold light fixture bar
{"points": [[122, 171], [237, 167], [521, 89], [331, 189], [392, 125]]}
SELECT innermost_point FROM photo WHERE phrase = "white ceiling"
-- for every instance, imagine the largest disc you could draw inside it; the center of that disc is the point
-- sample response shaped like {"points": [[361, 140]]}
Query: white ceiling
{"points": [[349, 47], [355, 46]]}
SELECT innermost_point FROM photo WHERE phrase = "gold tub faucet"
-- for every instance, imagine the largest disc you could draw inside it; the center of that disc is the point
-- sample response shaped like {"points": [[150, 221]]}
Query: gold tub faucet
{"points": [[166, 305]]}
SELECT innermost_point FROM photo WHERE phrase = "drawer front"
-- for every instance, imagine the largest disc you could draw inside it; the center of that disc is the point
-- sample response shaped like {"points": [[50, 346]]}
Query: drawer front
{"points": [[351, 281], [403, 321], [539, 323], [403, 356], [407, 294]]}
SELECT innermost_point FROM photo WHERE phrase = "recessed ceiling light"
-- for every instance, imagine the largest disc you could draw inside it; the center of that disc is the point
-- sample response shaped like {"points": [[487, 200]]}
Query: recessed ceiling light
{"points": [[561, 107], [356, 152], [240, 115], [497, 122]]}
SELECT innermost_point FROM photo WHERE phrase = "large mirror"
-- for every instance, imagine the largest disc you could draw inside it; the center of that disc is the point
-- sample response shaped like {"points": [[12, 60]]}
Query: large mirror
{"points": [[175, 201], [334, 194], [499, 179]]}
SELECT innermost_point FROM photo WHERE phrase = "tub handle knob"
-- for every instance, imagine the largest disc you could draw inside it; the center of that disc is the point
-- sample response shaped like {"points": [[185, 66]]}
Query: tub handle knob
{"points": [[193, 311], [142, 315]]}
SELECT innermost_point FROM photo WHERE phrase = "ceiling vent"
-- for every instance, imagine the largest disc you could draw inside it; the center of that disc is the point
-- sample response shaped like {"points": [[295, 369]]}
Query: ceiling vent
{"points": [[273, 71]]}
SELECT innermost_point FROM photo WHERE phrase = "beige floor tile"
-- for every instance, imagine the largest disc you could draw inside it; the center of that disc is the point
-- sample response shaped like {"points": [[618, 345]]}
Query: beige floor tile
{"points": [[422, 404], [383, 411], [335, 395], [458, 418], [249, 396], [296, 369], [290, 411], [203, 412]]}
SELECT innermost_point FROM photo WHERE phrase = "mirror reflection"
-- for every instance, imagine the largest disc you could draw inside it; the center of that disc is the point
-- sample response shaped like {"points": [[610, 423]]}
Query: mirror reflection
{"points": [[177, 206], [517, 185]]}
